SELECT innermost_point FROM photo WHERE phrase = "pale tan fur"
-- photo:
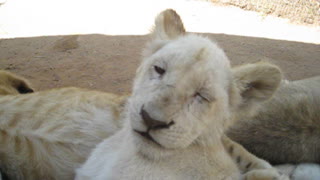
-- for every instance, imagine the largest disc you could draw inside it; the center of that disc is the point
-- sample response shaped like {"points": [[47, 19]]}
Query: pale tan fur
{"points": [[184, 97], [13, 84], [249, 164], [290, 121], [46, 135]]}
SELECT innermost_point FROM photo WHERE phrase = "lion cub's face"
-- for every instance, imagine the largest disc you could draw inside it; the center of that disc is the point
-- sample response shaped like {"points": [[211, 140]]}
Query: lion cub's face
{"points": [[181, 82], [185, 92]]}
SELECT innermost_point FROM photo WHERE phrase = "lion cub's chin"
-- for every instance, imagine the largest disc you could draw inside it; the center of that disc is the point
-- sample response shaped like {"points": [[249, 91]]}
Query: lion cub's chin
{"points": [[151, 149]]}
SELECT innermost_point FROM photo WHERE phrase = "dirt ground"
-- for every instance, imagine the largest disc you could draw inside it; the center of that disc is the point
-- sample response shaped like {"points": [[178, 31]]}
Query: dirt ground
{"points": [[108, 63]]}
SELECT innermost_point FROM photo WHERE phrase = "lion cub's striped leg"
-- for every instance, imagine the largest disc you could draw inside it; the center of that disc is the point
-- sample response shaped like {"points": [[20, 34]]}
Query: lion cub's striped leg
{"points": [[245, 160], [252, 167]]}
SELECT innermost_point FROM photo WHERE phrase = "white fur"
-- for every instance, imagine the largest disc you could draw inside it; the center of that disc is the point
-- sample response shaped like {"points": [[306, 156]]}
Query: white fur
{"points": [[306, 171]]}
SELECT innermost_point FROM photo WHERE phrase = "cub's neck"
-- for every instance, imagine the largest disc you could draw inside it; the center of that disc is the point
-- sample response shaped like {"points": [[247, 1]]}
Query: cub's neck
{"points": [[200, 161]]}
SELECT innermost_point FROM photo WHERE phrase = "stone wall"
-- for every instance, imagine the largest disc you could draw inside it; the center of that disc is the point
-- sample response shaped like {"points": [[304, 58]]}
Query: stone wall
{"points": [[297, 11]]}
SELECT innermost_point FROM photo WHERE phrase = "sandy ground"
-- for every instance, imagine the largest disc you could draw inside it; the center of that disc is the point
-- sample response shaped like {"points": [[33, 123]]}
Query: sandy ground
{"points": [[38, 42]]}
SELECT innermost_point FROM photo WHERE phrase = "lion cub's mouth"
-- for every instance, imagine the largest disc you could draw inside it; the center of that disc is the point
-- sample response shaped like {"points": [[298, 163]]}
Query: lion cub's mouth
{"points": [[147, 136]]}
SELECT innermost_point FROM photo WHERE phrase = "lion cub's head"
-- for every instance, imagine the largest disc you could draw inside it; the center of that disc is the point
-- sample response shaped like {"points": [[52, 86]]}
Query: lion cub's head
{"points": [[13, 84], [185, 91]]}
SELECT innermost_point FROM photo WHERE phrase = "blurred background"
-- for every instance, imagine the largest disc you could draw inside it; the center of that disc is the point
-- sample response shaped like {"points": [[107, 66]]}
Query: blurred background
{"points": [[96, 44]]}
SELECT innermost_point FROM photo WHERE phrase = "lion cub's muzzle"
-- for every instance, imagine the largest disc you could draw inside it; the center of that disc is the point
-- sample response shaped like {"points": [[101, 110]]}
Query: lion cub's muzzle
{"points": [[153, 124]]}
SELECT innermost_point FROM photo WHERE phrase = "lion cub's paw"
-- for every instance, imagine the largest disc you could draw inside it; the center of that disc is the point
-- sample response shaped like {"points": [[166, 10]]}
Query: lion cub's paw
{"points": [[261, 164], [265, 174]]}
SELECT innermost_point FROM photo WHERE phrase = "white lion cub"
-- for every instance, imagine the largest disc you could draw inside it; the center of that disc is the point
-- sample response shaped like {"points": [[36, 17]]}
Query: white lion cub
{"points": [[184, 97]]}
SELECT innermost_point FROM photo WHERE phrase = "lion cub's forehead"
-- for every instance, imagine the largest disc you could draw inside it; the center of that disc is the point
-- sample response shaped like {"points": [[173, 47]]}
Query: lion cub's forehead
{"points": [[191, 49], [193, 54], [193, 63]]}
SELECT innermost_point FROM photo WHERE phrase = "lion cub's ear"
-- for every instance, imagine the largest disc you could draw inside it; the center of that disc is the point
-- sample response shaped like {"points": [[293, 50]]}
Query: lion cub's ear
{"points": [[23, 87], [257, 82], [13, 84], [168, 25]]}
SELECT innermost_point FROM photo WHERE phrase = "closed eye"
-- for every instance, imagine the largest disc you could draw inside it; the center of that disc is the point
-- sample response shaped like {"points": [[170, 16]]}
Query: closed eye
{"points": [[202, 97]]}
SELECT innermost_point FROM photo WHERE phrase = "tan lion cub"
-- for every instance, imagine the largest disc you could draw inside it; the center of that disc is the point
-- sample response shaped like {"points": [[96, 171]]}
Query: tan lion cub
{"points": [[290, 121], [47, 135], [184, 97], [13, 84]]}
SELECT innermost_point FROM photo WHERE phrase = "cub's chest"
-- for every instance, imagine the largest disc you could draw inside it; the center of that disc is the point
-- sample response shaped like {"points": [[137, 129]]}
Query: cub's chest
{"points": [[173, 169], [157, 173]]}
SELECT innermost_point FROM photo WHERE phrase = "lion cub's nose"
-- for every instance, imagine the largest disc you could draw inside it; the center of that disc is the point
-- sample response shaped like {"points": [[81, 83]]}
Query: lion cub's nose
{"points": [[152, 123]]}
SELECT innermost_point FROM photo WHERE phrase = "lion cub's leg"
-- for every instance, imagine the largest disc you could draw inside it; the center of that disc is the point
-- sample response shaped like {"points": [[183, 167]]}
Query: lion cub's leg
{"points": [[251, 166]]}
